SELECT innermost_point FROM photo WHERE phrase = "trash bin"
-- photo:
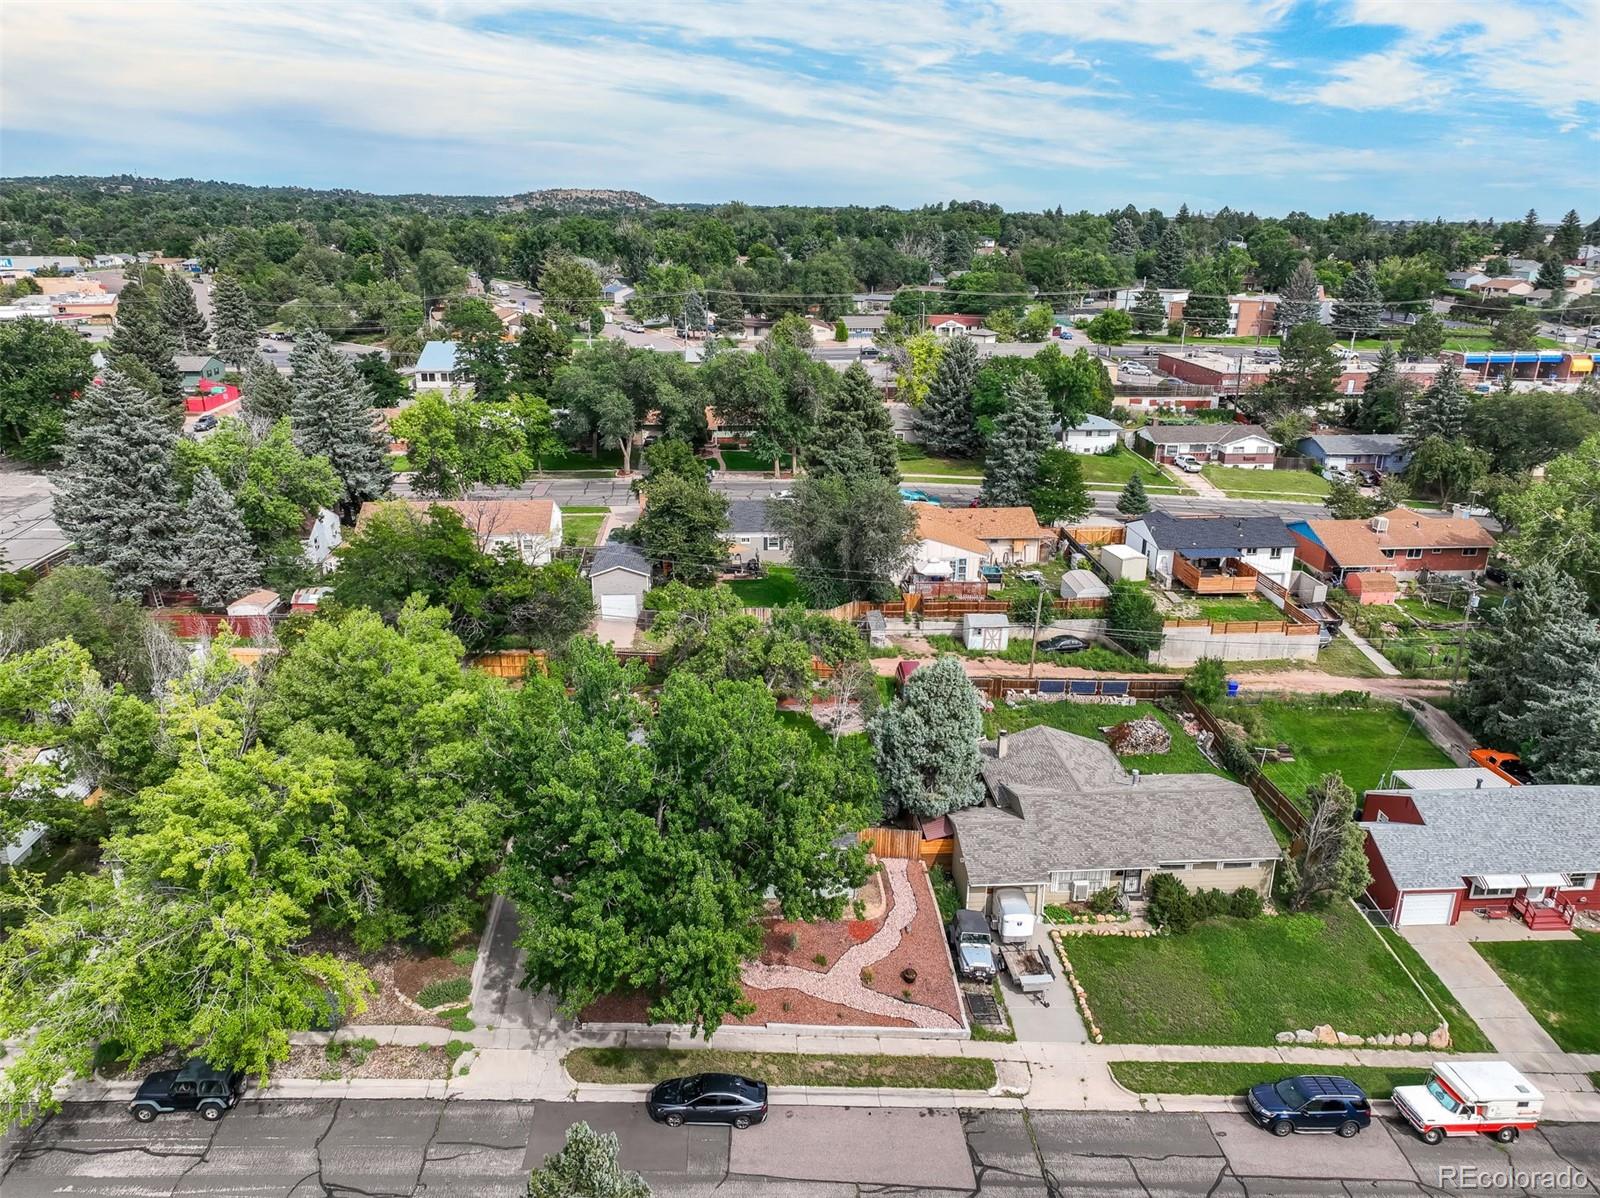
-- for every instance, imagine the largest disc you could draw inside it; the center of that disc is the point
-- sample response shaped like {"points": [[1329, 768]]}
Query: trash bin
{"points": [[1233, 688]]}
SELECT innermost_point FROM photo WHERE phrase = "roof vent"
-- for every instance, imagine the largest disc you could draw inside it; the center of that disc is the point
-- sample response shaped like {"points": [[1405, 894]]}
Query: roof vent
{"points": [[1379, 524], [1000, 745]]}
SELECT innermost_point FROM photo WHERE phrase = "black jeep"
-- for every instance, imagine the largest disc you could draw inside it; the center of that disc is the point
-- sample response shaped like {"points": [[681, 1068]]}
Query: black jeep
{"points": [[195, 1087]]}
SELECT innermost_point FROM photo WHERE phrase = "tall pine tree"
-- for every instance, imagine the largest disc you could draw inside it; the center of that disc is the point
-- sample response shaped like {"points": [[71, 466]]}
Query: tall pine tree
{"points": [[855, 433], [141, 347], [218, 556], [1125, 238], [1386, 397], [1535, 683], [1133, 501], [1149, 311], [1170, 257], [266, 393], [235, 321], [1355, 313], [181, 314], [114, 495], [332, 415], [1298, 302], [1442, 409], [1569, 236], [1020, 440], [945, 420]]}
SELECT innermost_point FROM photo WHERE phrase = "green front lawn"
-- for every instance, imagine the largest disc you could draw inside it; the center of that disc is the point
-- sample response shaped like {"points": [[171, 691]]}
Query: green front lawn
{"points": [[1361, 743], [642, 1066], [1240, 608], [580, 528], [1086, 719], [1236, 1077], [742, 461], [777, 588], [1558, 981], [1238, 481], [1233, 981], [566, 461], [929, 467], [1111, 471]]}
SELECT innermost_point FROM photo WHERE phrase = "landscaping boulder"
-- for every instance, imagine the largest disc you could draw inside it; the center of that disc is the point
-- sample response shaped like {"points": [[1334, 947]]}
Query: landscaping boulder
{"points": [[1419, 1039], [1347, 1040], [1440, 1037], [1284, 1037], [1402, 1040], [1384, 1039], [1325, 1034], [1135, 738], [1304, 1035]]}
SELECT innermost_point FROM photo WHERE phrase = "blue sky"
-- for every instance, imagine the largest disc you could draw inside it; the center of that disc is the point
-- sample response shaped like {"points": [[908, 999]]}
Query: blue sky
{"points": [[1403, 108]]}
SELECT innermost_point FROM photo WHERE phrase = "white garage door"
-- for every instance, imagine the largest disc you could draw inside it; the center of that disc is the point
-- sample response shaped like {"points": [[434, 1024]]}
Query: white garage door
{"points": [[619, 607], [1426, 909]]}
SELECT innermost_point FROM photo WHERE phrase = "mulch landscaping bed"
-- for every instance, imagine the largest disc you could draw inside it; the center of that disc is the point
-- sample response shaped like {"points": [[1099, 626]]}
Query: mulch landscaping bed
{"points": [[386, 1061], [399, 973]]}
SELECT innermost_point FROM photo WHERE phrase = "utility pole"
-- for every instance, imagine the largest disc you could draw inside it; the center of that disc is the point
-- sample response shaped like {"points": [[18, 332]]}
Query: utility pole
{"points": [[1466, 628], [1033, 647]]}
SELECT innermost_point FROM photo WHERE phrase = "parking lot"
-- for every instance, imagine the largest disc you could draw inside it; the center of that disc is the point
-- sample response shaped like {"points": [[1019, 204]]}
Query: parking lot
{"points": [[377, 1148]]}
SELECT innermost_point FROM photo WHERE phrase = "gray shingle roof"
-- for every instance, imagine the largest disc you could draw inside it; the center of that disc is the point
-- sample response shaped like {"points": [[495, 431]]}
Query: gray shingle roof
{"points": [[1081, 810], [616, 555], [1232, 533], [747, 516], [1522, 829], [1201, 434], [1379, 444]]}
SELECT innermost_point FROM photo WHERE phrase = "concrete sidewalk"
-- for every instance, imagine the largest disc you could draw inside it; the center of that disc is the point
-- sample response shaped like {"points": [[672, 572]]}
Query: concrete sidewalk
{"points": [[1382, 663]]}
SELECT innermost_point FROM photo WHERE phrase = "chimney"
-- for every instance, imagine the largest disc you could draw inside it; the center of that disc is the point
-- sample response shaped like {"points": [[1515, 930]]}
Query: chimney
{"points": [[1000, 745]]}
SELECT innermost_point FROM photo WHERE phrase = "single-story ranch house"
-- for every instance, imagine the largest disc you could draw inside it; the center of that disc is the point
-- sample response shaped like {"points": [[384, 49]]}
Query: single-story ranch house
{"points": [[1244, 445], [1062, 819], [1525, 852]]}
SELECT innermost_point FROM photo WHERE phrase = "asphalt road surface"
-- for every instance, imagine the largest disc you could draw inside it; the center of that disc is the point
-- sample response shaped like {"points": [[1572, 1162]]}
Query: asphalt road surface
{"points": [[334, 1148]]}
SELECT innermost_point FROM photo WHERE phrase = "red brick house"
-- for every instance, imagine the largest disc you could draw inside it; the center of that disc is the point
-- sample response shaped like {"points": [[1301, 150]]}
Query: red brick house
{"points": [[1530, 853], [1400, 542]]}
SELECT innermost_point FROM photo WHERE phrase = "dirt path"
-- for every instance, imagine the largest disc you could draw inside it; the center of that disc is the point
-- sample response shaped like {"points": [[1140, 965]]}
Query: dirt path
{"points": [[1315, 681]]}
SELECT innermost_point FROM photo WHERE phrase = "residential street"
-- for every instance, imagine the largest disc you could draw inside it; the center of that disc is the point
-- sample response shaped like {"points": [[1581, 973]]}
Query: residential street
{"points": [[336, 1148]]}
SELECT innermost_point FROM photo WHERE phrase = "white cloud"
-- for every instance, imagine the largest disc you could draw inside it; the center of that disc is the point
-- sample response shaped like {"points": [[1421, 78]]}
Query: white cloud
{"points": [[1390, 79]]}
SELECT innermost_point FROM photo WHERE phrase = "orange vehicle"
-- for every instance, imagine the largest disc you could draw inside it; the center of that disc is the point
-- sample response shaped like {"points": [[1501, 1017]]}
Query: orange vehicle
{"points": [[1507, 765]]}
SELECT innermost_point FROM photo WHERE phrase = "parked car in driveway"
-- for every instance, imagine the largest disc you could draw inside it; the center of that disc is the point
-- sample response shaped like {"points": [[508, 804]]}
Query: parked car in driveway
{"points": [[708, 1098], [195, 1087], [1310, 1103], [205, 424], [1187, 463], [972, 946]]}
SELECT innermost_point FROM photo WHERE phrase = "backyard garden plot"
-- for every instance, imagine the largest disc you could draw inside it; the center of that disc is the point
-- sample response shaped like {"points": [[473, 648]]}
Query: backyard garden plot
{"points": [[1232, 981], [1361, 742]]}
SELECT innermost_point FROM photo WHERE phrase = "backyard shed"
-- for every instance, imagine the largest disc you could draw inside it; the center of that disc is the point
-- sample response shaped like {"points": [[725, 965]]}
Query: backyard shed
{"points": [[986, 630], [1083, 584], [1123, 564], [618, 580], [1374, 587]]}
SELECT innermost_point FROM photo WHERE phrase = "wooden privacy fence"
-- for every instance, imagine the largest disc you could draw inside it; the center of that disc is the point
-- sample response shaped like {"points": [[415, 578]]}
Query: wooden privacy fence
{"points": [[1096, 534], [908, 843], [1264, 789], [511, 664]]}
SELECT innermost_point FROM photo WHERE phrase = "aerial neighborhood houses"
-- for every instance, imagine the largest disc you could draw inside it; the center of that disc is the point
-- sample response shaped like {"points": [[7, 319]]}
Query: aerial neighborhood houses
{"points": [[530, 528], [1363, 453], [754, 535], [1399, 542], [1092, 434], [436, 368], [1193, 548], [955, 544]]}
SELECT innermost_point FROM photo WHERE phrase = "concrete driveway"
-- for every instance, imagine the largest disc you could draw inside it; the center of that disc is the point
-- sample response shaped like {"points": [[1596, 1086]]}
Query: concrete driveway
{"points": [[1059, 1022], [1449, 952]]}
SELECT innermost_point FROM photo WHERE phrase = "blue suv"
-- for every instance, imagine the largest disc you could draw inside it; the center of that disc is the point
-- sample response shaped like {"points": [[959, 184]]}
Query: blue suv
{"points": [[1311, 1102]]}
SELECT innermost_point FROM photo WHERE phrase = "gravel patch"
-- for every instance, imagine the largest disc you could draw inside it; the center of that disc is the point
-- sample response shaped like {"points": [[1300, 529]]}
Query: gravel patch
{"points": [[385, 1061]]}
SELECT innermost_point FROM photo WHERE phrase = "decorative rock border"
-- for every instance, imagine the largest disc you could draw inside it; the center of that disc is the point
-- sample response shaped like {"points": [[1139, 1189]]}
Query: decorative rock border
{"points": [[1077, 990], [1323, 1034], [1101, 929]]}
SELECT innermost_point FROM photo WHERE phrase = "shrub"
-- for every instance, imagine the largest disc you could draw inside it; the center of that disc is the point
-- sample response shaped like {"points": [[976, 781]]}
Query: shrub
{"points": [[866, 977], [1171, 905], [1208, 679], [792, 941], [820, 961], [1235, 755], [447, 990], [1245, 903], [944, 893], [1103, 902], [464, 958], [1209, 904]]}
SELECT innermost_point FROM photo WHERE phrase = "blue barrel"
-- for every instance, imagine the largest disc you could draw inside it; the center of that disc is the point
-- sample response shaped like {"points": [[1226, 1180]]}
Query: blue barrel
{"points": [[1233, 688]]}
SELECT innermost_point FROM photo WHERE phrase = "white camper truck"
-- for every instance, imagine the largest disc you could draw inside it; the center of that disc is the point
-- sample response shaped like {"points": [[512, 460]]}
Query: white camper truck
{"points": [[1464, 1098]]}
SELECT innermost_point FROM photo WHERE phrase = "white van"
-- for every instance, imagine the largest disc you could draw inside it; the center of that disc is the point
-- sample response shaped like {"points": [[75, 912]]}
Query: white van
{"points": [[1011, 916], [1468, 1098]]}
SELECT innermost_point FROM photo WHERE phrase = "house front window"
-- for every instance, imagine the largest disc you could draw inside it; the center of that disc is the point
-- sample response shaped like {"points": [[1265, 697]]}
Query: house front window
{"points": [[1580, 882], [1469, 553], [772, 542], [1413, 554], [1276, 554], [960, 571], [1480, 891]]}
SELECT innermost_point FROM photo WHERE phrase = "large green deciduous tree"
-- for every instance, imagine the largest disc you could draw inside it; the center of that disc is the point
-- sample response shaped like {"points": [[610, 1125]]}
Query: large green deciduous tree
{"points": [[43, 368], [586, 1167], [683, 527], [642, 863], [849, 536], [925, 743], [1555, 520], [1058, 494]]}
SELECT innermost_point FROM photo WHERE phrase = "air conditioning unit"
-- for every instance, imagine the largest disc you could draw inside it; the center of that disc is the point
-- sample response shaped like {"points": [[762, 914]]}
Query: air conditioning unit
{"points": [[1379, 523], [1080, 891]]}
